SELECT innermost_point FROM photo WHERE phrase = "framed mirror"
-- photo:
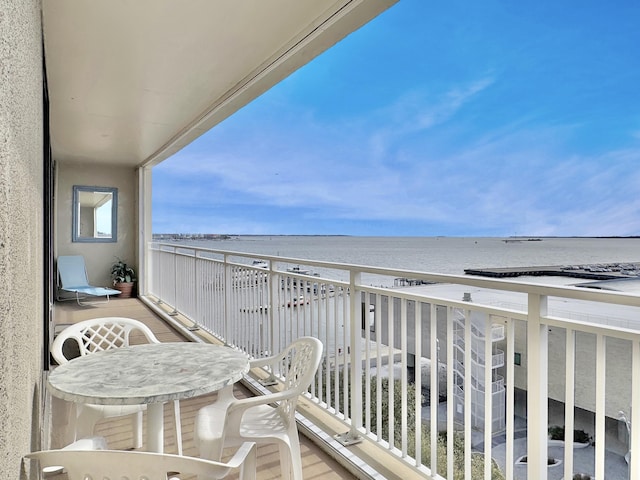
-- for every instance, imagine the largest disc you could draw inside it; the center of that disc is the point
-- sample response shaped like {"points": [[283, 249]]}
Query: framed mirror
{"points": [[95, 214]]}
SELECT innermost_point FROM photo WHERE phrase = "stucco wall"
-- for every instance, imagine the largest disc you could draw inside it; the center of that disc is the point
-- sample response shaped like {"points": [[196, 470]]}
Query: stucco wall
{"points": [[98, 256], [21, 238]]}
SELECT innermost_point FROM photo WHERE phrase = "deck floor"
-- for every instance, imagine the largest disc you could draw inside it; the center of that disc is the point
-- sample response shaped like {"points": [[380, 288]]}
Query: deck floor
{"points": [[316, 463]]}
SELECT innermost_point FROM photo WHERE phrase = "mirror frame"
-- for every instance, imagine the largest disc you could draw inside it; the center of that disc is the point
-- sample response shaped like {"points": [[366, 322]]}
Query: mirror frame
{"points": [[75, 236]]}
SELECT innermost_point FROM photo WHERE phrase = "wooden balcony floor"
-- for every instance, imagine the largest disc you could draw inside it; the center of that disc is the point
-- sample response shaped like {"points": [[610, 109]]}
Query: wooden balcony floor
{"points": [[316, 463]]}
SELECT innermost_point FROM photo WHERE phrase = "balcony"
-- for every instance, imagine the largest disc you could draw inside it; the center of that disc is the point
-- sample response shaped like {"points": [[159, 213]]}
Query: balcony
{"points": [[117, 432], [552, 369]]}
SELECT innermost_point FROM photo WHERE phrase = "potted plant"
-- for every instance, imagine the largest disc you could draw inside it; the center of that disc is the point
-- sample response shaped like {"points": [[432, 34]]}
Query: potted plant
{"points": [[124, 278]]}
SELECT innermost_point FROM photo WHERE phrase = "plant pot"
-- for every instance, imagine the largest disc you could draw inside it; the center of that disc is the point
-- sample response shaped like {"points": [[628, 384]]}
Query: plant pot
{"points": [[126, 289]]}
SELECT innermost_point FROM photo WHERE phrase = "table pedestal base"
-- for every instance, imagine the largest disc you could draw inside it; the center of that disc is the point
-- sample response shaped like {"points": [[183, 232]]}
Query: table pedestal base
{"points": [[155, 427]]}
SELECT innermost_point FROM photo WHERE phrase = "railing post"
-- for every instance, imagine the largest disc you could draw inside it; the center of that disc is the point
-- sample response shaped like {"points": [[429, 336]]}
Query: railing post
{"points": [[488, 394], [196, 288], [157, 272], [273, 284], [273, 301], [404, 377], [451, 402], [355, 358], [510, 422], [634, 434], [228, 283], [537, 387], [468, 394], [601, 384], [175, 283]]}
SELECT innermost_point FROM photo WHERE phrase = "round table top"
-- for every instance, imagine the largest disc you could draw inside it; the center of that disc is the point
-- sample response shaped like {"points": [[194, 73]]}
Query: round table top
{"points": [[149, 373]]}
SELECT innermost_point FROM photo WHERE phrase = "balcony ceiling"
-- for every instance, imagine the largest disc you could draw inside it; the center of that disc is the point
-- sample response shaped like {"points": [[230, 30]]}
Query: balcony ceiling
{"points": [[131, 82]]}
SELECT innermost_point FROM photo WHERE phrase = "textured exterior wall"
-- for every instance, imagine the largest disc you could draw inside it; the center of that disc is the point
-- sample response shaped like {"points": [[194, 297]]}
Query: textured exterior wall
{"points": [[21, 237], [98, 256]]}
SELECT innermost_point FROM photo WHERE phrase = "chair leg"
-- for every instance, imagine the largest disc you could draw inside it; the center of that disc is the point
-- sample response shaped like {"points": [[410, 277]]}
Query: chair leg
{"points": [[290, 460], [285, 461], [248, 469], [296, 456], [176, 413]]}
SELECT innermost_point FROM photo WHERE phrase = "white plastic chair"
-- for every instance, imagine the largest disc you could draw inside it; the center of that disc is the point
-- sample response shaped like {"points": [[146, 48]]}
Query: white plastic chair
{"points": [[99, 334], [266, 418], [116, 464], [90, 443]]}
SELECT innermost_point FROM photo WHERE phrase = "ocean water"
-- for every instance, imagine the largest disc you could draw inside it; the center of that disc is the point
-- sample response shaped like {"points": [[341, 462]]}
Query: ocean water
{"points": [[450, 255]]}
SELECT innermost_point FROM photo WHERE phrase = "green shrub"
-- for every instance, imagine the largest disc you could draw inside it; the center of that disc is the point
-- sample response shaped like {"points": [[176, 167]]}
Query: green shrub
{"points": [[556, 432], [477, 459], [581, 476]]}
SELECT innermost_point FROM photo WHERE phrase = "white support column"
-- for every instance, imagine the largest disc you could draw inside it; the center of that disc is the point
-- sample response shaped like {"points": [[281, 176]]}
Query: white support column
{"points": [[537, 388], [144, 229]]}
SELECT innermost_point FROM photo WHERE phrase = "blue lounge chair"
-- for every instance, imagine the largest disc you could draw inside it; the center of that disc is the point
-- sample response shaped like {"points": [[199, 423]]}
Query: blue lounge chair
{"points": [[72, 278]]}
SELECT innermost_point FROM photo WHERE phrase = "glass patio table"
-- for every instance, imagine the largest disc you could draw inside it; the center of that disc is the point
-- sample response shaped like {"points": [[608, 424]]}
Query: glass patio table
{"points": [[149, 374]]}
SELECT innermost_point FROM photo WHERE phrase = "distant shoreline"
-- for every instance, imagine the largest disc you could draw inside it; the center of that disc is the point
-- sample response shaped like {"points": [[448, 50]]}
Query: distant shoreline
{"points": [[228, 236]]}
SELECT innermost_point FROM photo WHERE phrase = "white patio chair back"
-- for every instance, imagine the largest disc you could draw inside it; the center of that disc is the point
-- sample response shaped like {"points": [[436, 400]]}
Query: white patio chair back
{"points": [[266, 418], [106, 333], [99, 334], [297, 365], [122, 464]]}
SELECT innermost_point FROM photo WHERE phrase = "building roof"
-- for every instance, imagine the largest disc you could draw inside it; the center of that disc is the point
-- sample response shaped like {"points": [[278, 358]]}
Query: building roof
{"points": [[627, 285]]}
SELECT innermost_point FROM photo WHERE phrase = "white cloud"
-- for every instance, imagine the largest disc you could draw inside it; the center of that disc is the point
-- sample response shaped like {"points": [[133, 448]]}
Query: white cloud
{"points": [[417, 112], [395, 165]]}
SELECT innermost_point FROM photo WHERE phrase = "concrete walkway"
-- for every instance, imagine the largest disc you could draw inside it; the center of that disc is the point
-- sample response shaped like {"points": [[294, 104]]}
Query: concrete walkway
{"points": [[616, 467]]}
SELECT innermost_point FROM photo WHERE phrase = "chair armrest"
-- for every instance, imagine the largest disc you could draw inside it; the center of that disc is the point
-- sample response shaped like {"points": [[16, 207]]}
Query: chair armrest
{"points": [[240, 405], [236, 409], [246, 451], [260, 362], [265, 361]]}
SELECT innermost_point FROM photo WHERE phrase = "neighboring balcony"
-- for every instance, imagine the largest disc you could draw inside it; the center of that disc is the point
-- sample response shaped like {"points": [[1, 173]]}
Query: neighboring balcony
{"points": [[385, 383]]}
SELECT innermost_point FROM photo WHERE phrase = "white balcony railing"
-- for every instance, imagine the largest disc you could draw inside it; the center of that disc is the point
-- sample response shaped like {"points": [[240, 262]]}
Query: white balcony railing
{"points": [[370, 332]]}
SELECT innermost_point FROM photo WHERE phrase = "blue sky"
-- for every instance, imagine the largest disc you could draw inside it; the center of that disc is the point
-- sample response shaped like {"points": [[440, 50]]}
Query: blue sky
{"points": [[453, 118]]}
